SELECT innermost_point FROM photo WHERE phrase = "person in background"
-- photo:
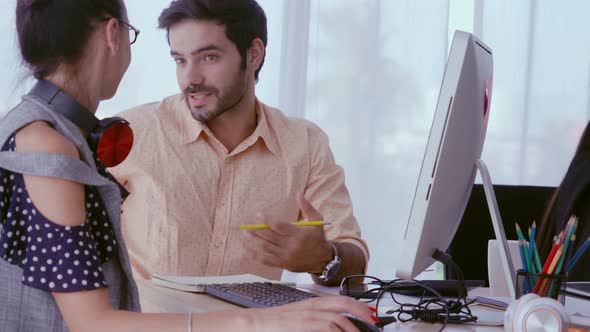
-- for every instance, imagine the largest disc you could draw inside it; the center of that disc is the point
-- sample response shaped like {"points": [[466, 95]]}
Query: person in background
{"points": [[63, 261], [572, 197], [214, 157]]}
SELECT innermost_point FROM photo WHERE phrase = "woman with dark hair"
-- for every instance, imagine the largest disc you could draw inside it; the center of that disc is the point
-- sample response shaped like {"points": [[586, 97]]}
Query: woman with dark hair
{"points": [[63, 262], [572, 197]]}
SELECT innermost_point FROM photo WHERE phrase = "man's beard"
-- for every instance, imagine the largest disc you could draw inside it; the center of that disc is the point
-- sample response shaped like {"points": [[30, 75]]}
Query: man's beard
{"points": [[224, 102]]}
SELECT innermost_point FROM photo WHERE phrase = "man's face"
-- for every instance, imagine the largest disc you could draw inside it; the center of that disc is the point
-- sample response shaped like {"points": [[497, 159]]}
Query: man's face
{"points": [[208, 68]]}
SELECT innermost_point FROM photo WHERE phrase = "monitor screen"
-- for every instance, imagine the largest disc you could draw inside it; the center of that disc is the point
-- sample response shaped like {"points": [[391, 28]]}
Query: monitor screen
{"points": [[454, 144]]}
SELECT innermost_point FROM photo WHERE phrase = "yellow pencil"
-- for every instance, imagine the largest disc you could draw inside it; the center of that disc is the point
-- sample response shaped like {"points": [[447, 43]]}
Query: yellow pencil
{"points": [[296, 223]]}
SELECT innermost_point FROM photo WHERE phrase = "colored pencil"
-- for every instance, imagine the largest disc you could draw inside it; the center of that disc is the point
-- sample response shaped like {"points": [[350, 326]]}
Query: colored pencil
{"points": [[526, 283], [529, 262], [578, 254], [537, 258], [570, 252], [296, 223], [570, 229], [566, 243], [521, 250], [534, 250], [532, 231]]}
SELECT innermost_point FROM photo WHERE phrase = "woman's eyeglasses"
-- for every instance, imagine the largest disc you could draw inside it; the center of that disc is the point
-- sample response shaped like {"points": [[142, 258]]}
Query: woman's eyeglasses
{"points": [[133, 32]]}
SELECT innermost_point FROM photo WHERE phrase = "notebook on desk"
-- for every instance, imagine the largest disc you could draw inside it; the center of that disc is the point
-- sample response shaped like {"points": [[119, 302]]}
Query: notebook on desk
{"points": [[198, 284]]}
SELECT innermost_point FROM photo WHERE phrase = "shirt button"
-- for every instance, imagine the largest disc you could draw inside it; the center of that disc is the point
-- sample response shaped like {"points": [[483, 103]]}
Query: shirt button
{"points": [[217, 243]]}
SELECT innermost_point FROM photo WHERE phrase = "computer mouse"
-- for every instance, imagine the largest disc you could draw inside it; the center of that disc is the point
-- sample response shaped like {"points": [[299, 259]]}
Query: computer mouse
{"points": [[362, 325]]}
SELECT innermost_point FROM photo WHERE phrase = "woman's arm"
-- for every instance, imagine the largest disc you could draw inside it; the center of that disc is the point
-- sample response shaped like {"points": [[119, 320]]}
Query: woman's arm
{"points": [[91, 311], [63, 202]]}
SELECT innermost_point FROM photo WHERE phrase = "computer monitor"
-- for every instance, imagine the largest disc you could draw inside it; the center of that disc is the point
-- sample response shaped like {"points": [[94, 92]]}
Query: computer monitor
{"points": [[454, 145]]}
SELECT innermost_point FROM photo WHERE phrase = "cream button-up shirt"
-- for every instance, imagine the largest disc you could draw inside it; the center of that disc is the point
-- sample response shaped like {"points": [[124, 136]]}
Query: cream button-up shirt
{"points": [[189, 195]]}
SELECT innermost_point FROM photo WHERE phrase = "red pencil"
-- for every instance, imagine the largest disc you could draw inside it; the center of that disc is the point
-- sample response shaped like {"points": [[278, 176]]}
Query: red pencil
{"points": [[547, 264]]}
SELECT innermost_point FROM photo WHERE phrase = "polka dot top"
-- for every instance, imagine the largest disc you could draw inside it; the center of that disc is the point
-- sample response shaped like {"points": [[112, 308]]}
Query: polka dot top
{"points": [[53, 257]]}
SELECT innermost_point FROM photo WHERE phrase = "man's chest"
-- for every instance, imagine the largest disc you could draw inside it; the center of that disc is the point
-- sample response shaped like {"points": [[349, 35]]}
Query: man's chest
{"points": [[235, 187]]}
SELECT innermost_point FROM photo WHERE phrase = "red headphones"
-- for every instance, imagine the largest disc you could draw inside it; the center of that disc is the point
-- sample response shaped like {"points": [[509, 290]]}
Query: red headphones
{"points": [[110, 139]]}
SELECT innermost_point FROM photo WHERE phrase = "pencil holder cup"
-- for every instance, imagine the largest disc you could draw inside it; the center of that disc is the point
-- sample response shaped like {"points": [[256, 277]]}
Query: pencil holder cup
{"points": [[544, 285]]}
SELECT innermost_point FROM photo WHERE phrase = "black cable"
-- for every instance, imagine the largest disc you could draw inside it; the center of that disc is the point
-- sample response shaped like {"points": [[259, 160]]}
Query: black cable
{"points": [[447, 260], [434, 309]]}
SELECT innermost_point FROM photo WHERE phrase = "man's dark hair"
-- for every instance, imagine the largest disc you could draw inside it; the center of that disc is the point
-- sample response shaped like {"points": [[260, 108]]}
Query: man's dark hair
{"points": [[244, 20], [52, 32]]}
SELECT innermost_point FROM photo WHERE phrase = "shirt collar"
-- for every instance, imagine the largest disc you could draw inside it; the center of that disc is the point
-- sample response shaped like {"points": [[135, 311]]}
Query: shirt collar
{"points": [[264, 130], [191, 129]]}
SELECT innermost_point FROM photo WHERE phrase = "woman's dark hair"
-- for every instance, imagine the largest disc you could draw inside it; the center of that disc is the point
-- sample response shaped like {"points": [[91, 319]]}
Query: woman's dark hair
{"points": [[244, 20], [550, 222], [52, 32]]}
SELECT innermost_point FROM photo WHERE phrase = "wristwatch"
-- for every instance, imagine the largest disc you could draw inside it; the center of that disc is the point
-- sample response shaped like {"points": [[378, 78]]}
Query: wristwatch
{"points": [[331, 269]]}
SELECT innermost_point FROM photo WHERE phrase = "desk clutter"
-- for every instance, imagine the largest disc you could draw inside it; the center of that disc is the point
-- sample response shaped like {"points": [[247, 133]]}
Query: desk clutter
{"points": [[431, 306], [548, 278]]}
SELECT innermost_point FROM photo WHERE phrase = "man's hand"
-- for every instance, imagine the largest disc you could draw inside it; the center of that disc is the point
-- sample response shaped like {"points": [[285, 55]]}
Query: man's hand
{"points": [[291, 247]]}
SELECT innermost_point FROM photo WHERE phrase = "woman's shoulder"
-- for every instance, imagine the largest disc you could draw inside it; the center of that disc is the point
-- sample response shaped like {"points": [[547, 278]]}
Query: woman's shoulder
{"points": [[39, 136], [57, 198]]}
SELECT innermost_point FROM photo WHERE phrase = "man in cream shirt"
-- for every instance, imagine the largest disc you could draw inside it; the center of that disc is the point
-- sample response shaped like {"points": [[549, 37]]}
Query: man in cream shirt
{"points": [[214, 157]]}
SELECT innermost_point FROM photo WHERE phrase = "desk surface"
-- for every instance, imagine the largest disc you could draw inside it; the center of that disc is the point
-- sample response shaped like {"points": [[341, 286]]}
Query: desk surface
{"points": [[160, 299]]}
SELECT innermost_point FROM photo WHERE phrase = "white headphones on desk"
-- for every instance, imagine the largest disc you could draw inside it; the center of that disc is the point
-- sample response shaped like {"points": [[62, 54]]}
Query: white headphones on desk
{"points": [[532, 313]]}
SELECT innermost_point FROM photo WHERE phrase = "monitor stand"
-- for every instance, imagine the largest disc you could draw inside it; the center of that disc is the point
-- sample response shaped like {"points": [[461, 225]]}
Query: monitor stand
{"points": [[498, 226]]}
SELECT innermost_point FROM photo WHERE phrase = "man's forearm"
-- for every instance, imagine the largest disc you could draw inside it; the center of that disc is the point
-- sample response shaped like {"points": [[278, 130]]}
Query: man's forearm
{"points": [[352, 261]]}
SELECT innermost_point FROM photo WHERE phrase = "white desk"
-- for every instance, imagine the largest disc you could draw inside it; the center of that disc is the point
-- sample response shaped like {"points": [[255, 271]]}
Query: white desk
{"points": [[160, 299]]}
